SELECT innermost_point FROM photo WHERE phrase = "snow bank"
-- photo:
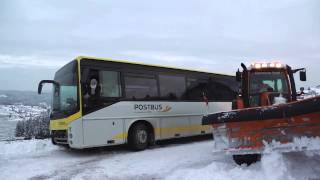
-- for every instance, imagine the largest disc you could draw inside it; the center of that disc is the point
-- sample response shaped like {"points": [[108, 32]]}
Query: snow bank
{"points": [[312, 92], [275, 167], [279, 100], [271, 167], [298, 144], [3, 96], [36, 160], [25, 147], [317, 90]]}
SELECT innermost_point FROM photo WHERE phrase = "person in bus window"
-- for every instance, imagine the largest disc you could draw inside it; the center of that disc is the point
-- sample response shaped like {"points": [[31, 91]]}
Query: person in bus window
{"points": [[92, 91]]}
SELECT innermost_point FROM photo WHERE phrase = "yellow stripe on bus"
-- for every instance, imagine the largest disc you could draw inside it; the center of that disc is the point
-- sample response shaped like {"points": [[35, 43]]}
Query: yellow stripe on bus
{"points": [[120, 136], [62, 124], [173, 130]]}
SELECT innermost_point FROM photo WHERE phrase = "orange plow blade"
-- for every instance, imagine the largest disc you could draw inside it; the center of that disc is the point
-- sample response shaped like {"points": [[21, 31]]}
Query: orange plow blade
{"points": [[286, 127]]}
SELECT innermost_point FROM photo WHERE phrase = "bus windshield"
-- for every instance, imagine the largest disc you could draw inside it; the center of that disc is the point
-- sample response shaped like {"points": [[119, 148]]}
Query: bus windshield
{"points": [[65, 92]]}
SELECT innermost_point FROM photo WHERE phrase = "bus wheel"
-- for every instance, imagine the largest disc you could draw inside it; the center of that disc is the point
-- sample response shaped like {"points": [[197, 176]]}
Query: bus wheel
{"points": [[138, 137], [247, 159], [53, 142]]}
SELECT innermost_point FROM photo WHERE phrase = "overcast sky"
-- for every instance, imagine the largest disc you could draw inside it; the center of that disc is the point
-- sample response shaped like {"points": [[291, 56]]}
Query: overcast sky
{"points": [[37, 37]]}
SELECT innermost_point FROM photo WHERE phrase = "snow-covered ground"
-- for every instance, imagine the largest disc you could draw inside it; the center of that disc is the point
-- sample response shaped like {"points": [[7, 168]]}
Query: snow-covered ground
{"points": [[38, 159], [11, 114], [311, 92], [20, 112], [3, 96]]}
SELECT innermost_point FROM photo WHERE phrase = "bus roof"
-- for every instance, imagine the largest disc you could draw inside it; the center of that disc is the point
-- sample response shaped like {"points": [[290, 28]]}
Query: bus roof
{"points": [[81, 58]]}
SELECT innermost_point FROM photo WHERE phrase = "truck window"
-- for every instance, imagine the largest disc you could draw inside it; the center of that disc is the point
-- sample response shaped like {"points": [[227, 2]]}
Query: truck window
{"points": [[261, 82]]}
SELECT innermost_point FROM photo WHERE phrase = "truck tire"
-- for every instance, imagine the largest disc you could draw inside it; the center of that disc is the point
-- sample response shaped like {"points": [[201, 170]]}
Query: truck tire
{"points": [[138, 137], [247, 159]]}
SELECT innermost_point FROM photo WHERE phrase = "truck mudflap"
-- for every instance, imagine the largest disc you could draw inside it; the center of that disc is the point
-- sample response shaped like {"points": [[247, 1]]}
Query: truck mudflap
{"points": [[287, 127]]}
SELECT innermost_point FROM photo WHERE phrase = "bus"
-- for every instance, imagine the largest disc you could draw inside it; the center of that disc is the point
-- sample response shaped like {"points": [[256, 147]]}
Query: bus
{"points": [[103, 102]]}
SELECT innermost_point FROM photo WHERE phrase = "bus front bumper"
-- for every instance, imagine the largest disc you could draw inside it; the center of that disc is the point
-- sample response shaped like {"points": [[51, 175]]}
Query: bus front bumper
{"points": [[59, 137]]}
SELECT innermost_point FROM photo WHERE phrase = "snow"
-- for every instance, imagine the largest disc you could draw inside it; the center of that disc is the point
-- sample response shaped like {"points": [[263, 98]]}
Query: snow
{"points": [[227, 115], [279, 100], [39, 159], [3, 96], [24, 148], [311, 92], [298, 144], [20, 112]]}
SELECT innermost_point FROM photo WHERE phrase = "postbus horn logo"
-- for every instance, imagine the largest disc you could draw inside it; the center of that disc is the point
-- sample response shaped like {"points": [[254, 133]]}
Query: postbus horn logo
{"points": [[166, 109]]}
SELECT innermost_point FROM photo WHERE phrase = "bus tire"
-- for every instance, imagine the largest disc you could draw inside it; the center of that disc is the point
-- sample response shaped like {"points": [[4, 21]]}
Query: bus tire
{"points": [[53, 142], [139, 137], [247, 159]]}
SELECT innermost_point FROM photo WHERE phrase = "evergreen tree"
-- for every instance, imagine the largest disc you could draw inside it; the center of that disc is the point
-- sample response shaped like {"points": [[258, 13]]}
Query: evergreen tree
{"points": [[34, 127]]}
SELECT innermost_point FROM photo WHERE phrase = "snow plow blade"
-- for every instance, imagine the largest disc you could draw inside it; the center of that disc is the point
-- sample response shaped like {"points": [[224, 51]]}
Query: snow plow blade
{"points": [[289, 110], [285, 128]]}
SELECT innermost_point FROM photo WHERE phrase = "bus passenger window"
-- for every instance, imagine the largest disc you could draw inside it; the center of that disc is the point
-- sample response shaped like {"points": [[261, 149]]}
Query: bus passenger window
{"points": [[141, 87], [91, 87], [219, 90], [91, 91], [172, 87], [100, 89], [110, 84], [195, 89]]}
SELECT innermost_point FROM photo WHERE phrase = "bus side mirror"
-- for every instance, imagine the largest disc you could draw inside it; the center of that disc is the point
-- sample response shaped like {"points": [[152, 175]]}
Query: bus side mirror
{"points": [[57, 85], [40, 88], [303, 75], [238, 76]]}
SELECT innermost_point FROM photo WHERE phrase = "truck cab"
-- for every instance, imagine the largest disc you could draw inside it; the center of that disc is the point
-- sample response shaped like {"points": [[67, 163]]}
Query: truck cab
{"points": [[264, 84], [266, 110]]}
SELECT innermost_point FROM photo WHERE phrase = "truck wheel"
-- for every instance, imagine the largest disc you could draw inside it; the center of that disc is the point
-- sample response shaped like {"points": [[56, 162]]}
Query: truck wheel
{"points": [[138, 137], [247, 159]]}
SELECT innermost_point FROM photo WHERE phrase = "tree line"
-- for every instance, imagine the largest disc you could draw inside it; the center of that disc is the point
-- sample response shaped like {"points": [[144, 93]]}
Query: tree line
{"points": [[34, 127]]}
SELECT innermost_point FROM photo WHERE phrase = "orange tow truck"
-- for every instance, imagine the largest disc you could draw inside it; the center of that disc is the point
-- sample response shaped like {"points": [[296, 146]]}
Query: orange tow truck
{"points": [[266, 112]]}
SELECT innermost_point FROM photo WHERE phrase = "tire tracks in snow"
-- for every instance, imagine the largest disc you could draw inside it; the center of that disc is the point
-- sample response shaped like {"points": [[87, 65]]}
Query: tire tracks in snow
{"points": [[72, 169]]}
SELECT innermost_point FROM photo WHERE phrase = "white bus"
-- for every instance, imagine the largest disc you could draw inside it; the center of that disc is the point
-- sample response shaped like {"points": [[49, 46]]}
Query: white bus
{"points": [[103, 102]]}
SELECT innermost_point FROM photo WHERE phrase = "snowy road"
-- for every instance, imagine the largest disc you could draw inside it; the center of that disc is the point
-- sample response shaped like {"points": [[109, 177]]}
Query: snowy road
{"points": [[38, 159]]}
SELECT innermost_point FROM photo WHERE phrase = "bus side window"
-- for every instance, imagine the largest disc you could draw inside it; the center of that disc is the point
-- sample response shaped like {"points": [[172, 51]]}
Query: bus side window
{"points": [[100, 88], [195, 89], [218, 90], [141, 87], [172, 87], [91, 85], [91, 90], [110, 84]]}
